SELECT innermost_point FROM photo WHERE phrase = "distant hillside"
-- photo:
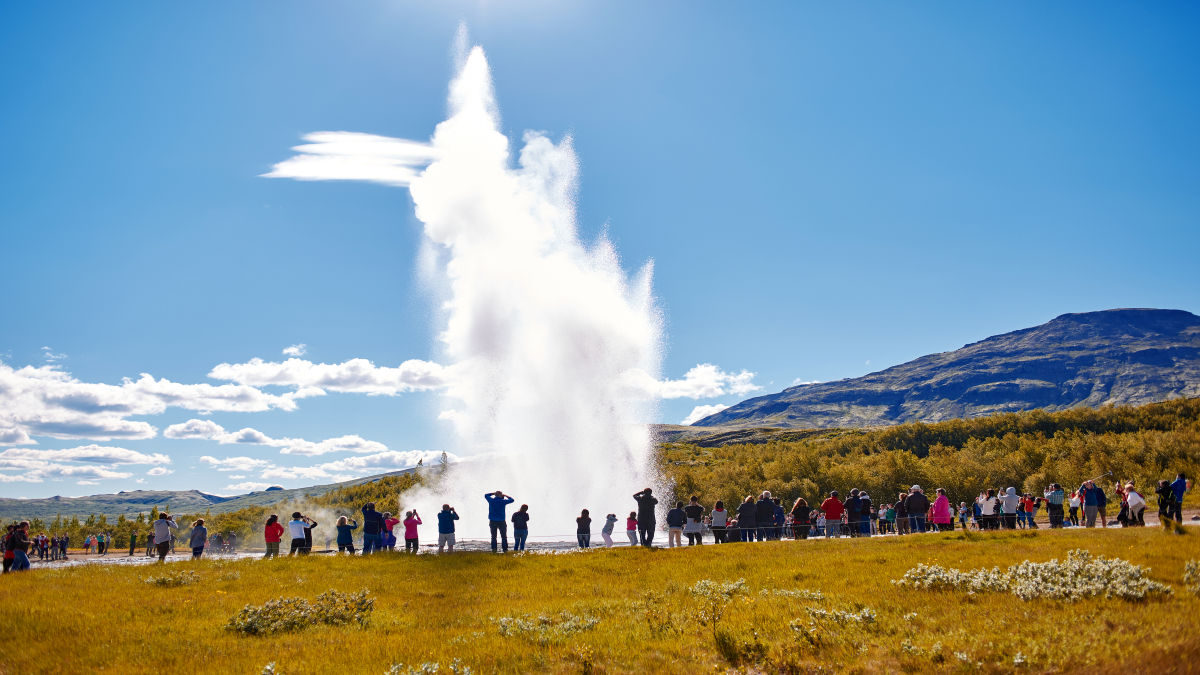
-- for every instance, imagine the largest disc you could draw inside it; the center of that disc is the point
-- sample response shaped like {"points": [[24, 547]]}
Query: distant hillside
{"points": [[1114, 357], [182, 501]]}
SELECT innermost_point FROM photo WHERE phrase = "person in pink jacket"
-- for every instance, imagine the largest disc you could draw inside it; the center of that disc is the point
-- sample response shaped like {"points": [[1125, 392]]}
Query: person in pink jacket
{"points": [[411, 521], [941, 511]]}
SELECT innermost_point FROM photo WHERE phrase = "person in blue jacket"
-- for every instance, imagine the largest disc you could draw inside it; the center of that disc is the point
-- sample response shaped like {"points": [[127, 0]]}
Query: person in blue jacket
{"points": [[446, 518], [496, 520]]}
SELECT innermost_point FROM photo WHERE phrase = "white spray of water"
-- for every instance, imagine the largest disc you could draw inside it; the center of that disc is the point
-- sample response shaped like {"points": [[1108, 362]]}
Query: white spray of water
{"points": [[542, 331]]}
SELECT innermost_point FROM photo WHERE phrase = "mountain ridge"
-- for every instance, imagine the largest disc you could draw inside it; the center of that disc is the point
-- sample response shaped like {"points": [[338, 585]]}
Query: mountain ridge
{"points": [[1110, 357]]}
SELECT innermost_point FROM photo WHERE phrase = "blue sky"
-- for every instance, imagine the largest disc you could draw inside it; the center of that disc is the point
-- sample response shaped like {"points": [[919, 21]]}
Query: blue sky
{"points": [[824, 191]]}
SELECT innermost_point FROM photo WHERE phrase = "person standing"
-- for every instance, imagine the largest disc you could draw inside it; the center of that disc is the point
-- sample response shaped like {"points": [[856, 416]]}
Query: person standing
{"points": [[676, 519], [583, 529], [941, 511], [497, 522], [520, 527], [18, 543], [411, 520], [631, 528], [446, 518], [833, 509], [719, 522], [610, 521], [162, 535], [917, 505], [902, 521], [645, 516], [345, 535], [866, 514], [372, 525], [388, 534], [747, 519], [198, 538], [296, 528], [520, 521], [272, 536], [309, 526], [764, 515], [1137, 505], [1179, 488], [800, 514], [694, 525], [1074, 502], [1088, 495], [1008, 506], [1054, 504]]}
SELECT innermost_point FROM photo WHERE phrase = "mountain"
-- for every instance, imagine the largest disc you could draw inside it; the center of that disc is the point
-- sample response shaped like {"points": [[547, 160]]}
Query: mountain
{"points": [[1113, 357], [132, 503]]}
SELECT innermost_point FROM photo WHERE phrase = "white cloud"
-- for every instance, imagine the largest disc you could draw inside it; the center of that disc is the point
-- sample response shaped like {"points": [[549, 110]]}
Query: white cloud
{"points": [[295, 350], [240, 488], [798, 382], [355, 375], [205, 429], [704, 380], [50, 356], [355, 466], [209, 430], [248, 464], [701, 411], [47, 401], [85, 453], [159, 471], [347, 155]]}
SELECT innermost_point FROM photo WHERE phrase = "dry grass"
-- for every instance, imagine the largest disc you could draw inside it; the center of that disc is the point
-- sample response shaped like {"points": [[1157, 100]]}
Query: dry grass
{"points": [[647, 619]]}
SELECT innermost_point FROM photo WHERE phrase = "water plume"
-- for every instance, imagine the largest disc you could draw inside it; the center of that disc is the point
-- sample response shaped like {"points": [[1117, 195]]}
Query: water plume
{"points": [[541, 331]]}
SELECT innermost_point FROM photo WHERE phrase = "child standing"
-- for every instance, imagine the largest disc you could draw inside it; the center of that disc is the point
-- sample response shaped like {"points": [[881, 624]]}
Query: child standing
{"points": [[606, 532], [631, 528]]}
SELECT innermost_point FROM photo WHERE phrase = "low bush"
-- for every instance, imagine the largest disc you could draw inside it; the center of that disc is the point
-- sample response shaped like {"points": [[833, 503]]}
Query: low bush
{"points": [[292, 614], [1080, 576]]}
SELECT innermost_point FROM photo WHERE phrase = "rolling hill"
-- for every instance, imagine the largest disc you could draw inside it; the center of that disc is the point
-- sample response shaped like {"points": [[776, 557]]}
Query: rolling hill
{"points": [[1113, 357], [134, 502]]}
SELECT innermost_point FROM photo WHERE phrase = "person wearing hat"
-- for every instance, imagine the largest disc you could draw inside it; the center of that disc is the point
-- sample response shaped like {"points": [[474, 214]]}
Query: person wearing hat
{"points": [[917, 505]]}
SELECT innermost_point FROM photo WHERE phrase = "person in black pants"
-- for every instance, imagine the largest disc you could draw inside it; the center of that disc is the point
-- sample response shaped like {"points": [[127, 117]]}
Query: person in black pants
{"points": [[645, 515]]}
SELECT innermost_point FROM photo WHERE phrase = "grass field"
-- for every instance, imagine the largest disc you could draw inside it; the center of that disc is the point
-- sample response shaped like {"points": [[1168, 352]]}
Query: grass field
{"points": [[619, 610]]}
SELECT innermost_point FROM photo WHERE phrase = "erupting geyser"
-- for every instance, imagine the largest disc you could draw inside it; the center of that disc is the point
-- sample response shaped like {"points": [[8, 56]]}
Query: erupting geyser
{"points": [[547, 338]]}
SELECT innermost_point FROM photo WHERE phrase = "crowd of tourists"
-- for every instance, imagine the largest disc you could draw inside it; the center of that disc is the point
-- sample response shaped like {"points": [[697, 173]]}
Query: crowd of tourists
{"points": [[755, 518]]}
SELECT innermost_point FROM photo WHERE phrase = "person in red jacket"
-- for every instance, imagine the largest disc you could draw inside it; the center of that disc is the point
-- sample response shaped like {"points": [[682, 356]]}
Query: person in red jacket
{"points": [[833, 515], [273, 535]]}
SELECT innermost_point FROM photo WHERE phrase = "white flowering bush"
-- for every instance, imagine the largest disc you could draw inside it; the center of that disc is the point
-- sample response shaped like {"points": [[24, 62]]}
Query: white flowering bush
{"points": [[1079, 576], [842, 617], [797, 593], [430, 668], [293, 614], [544, 629], [714, 597], [1191, 576], [173, 578]]}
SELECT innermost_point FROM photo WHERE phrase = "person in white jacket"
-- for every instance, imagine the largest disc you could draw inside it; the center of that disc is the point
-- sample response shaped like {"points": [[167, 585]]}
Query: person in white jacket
{"points": [[162, 535]]}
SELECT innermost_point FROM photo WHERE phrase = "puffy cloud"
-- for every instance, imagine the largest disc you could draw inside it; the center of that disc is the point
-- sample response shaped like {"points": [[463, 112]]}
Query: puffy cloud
{"points": [[159, 471], [355, 466], [83, 463], [46, 401], [95, 454], [209, 430], [204, 429], [348, 155], [701, 411], [247, 486], [295, 350], [705, 380], [355, 375], [248, 464], [800, 382]]}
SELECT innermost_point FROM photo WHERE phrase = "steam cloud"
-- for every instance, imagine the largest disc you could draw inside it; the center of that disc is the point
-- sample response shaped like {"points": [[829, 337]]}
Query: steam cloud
{"points": [[542, 330]]}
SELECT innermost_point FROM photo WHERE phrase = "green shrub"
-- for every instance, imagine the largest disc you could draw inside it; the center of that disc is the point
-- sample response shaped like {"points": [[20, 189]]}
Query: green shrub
{"points": [[293, 614]]}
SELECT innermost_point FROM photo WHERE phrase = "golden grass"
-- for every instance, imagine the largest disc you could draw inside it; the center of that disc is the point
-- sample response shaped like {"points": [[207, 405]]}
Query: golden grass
{"points": [[435, 609]]}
